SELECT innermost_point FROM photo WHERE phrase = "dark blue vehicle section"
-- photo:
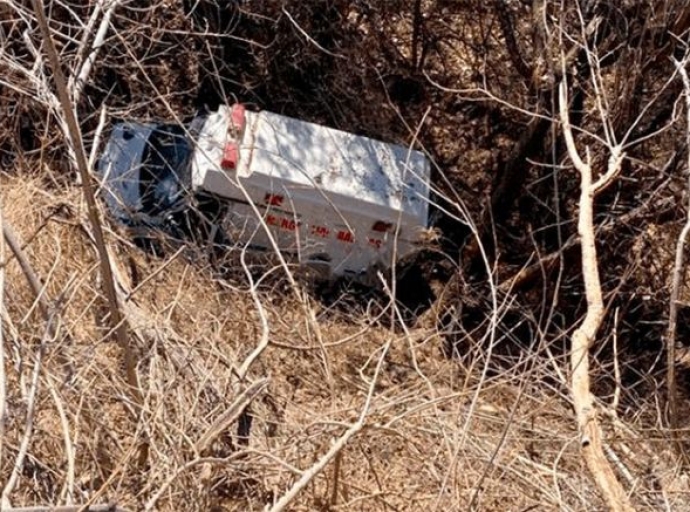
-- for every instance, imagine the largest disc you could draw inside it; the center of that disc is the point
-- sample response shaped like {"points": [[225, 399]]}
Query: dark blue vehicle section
{"points": [[165, 176]]}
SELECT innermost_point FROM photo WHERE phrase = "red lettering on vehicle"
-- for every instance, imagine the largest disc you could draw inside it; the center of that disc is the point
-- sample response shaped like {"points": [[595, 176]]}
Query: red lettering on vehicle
{"points": [[320, 231], [289, 224], [346, 236], [381, 226], [273, 199], [272, 220], [376, 242]]}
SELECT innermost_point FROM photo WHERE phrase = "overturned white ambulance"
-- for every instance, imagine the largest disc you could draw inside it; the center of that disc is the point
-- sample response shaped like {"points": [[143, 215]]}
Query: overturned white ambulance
{"points": [[338, 203]]}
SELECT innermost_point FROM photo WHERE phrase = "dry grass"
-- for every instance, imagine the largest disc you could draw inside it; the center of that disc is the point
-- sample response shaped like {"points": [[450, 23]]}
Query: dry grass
{"points": [[440, 433]]}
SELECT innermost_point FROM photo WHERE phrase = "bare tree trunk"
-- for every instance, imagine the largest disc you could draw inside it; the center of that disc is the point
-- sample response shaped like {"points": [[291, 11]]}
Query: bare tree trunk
{"points": [[585, 334]]}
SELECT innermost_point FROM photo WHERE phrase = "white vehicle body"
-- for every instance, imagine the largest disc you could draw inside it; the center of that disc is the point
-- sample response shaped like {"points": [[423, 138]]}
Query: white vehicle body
{"points": [[342, 203]]}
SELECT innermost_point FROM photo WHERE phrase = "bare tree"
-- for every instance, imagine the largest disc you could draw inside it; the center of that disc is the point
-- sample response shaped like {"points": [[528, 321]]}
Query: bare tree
{"points": [[585, 335]]}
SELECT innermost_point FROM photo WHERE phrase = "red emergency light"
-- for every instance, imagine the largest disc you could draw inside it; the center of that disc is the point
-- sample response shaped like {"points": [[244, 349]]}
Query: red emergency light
{"points": [[231, 156], [237, 118]]}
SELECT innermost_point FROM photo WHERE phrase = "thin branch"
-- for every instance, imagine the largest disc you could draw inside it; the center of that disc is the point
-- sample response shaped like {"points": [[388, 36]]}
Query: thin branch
{"points": [[68, 508], [677, 282], [74, 134], [308, 475], [30, 410], [616, 366], [265, 331], [68, 487], [193, 463], [97, 138], [309, 38], [28, 270], [613, 169], [3, 377], [230, 415], [568, 131], [76, 85], [506, 22]]}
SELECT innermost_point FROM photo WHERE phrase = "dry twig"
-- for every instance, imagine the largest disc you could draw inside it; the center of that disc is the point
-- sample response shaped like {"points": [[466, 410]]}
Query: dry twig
{"points": [[30, 413], [3, 375], [230, 415], [337, 446]]}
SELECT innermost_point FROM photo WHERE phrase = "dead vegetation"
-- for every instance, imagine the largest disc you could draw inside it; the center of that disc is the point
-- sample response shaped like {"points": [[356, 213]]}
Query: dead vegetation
{"points": [[252, 394]]}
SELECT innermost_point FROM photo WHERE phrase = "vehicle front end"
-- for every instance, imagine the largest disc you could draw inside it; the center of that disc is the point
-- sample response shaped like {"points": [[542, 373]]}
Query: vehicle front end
{"points": [[144, 170]]}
